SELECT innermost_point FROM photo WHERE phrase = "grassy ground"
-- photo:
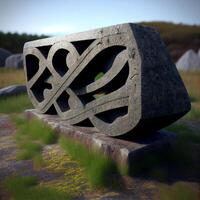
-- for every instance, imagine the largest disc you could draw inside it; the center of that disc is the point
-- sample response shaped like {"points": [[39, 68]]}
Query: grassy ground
{"points": [[192, 83], [9, 76], [31, 136], [27, 188], [98, 167], [15, 104], [178, 191]]}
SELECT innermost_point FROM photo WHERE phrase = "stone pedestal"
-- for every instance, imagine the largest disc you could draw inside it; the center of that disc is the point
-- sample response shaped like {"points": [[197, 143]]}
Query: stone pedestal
{"points": [[126, 153]]}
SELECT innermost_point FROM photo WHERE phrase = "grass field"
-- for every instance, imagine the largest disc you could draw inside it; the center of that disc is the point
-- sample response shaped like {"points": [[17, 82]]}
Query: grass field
{"points": [[9, 76], [192, 83]]}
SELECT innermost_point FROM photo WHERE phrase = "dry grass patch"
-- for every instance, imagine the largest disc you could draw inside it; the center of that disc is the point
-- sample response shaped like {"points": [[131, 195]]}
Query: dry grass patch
{"points": [[10, 76], [192, 83]]}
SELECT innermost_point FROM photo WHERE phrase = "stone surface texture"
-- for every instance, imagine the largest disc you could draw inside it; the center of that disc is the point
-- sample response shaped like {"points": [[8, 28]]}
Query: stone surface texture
{"points": [[14, 61], [12, 90], [3, 55], [119, 79], [189, 61]]}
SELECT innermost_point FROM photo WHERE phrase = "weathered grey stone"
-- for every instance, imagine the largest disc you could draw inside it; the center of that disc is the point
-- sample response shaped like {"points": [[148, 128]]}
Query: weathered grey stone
{"points": [[189, 61], [140, 88], [12, 90], [3, 55], [15, 61], [199, 53]]}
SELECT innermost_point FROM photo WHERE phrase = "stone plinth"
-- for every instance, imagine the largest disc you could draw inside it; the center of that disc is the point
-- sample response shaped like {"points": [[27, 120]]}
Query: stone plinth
{"points": [[124, 152]]}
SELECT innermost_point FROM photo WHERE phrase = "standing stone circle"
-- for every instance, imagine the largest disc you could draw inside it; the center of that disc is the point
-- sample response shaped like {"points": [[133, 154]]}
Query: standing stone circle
{"points": [[119, 79]]}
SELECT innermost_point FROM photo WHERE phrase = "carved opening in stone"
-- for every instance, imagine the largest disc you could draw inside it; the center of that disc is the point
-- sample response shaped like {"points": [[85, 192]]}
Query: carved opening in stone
{"points": [[44, 50], [41, 85], [86, 98], [59, 61], [62, 101], [81, 46], [102, 62], [110, 116], [32, 65], [85, 123], [116, 83], [51, 111]]}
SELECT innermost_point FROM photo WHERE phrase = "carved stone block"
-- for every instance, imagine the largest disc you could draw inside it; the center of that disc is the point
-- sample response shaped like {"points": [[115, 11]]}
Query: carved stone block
{"points": [[119, 79]]}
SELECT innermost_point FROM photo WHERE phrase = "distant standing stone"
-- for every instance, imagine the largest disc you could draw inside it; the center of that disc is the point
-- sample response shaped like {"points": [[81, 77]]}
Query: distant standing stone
{"points": [[199, 53], [189, 61], [3, 55], [15, 61], [12, 90]]}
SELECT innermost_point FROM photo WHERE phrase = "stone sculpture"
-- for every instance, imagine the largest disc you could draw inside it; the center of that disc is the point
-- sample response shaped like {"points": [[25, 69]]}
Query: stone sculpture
{"points": [[119, 79]]}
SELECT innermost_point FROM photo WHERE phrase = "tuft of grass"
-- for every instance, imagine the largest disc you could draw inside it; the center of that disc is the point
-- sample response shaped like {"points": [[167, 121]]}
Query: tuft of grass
{"points": [[31, 136], [27, 188], [10, 76], [194, 114], [178, 191], [184, 133], [182, 156], [28, 150], [98, 76], [34, 130], [99, 168], [15, 104]]}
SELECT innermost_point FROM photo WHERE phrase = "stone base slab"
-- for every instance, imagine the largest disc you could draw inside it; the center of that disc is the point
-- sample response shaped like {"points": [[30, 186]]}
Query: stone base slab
{"points": [[123, 151]]}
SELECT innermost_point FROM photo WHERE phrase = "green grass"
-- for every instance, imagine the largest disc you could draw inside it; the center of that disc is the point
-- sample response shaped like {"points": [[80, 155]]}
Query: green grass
{"points": [[178, 191], [194, 114], [27, 188], [15, 104], [99, 168], [31, 136], [28, 150], [34, 130], [99, 75], [184, 133], [181, 156]]}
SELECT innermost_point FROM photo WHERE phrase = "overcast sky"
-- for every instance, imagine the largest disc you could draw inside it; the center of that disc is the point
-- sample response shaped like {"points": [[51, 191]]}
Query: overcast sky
{"points": [[58, 17]]}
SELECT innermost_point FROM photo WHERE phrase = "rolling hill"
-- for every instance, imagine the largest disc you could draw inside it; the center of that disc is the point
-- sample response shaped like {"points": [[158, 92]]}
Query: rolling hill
{"points": [[177, 37]]}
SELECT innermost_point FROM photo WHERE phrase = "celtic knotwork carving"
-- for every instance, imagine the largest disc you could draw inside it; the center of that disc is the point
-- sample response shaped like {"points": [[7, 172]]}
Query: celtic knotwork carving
{"points": [[93, 77]]}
